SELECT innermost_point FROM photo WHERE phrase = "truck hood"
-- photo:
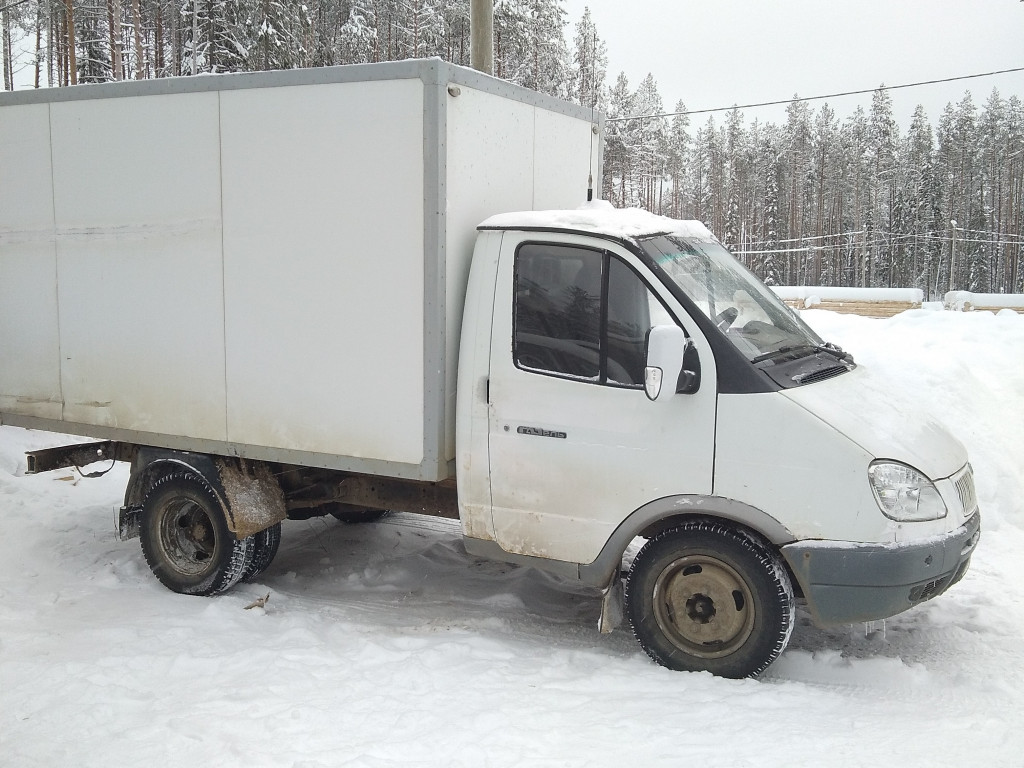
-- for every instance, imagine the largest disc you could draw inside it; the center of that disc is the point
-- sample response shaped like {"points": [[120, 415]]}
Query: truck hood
{"points": [[872, 410]]}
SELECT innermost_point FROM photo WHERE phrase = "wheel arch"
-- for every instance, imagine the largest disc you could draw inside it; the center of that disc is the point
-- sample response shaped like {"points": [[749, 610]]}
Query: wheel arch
{"points": [[247, 492], [670, 511]]}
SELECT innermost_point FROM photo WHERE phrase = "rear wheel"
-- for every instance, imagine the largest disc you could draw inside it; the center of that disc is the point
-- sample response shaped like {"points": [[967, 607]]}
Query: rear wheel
{"points": [[706, 597], [264, 549], [185, 537]]}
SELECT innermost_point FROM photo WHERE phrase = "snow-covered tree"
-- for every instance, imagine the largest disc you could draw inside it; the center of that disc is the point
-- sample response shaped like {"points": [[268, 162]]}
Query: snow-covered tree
{"points": [[589, 66], [769, 267], [547, 69], [357, 38], [277, 31], [224, 38], [649, 145], [677, 158], [618, 153]]}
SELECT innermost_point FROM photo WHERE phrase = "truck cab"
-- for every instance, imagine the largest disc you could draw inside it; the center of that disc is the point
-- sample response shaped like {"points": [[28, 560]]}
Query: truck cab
{"points": [[621, 375]]}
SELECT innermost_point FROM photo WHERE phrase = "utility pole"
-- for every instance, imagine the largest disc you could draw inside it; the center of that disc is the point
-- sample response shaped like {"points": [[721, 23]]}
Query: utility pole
{"points": [[481, 33]]}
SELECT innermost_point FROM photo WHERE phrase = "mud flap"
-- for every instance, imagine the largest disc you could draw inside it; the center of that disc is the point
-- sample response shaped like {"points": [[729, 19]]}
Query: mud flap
{"points": [[126, 522], [254, 498], [612, 603]]}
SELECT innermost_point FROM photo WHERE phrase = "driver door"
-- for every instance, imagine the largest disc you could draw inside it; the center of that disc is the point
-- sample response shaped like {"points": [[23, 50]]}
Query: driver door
{"points": [[575, 445]]}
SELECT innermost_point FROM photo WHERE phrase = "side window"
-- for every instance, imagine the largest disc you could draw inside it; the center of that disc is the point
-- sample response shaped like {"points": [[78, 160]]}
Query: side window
{"points": [[629, 319], [581, 313], [558, 310]]}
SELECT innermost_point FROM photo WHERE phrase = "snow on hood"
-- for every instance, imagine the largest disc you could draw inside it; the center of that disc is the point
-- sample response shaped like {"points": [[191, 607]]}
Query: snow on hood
{"points": [[876, 412], [600, 217]]}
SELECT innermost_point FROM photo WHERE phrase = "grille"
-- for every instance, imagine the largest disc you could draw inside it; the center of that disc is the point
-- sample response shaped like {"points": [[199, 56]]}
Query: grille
{"points": [[965, 489], [927, 591]]}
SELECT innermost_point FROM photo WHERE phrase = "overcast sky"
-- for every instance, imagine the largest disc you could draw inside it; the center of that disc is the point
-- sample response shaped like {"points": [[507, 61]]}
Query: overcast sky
{"points": [[716, 53]]}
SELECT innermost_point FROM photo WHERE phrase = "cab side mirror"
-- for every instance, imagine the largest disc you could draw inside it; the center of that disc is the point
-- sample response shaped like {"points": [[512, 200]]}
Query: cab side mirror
{"points": [[666, 347]]}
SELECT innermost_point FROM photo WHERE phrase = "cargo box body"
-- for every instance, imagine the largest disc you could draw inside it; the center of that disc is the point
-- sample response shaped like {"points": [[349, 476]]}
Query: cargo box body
{"points": [[269, 265]]}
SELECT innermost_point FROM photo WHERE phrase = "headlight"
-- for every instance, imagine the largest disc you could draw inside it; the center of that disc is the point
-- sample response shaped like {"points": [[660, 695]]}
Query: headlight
{"points": [[905, 494]]}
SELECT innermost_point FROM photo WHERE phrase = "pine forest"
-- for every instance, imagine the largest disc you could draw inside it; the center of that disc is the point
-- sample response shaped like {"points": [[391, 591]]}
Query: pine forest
{"points": [[820, 199]]}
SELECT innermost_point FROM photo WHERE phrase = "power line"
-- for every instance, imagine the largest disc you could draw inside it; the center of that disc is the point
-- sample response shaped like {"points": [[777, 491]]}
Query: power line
{"points": [[12, 5], [816, 98], [865, 245], [845, 240]]}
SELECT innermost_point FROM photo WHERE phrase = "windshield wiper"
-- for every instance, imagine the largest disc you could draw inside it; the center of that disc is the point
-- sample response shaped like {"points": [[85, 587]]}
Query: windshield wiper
{"points": [[789, 349], [781, 351]]}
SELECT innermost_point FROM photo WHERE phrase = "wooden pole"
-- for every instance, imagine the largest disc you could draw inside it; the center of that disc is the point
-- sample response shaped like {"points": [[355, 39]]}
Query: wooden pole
{"points": [[481, 33]]}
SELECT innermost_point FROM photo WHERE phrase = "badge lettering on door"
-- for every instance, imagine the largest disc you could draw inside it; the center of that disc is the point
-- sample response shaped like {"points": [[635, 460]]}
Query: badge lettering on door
{"points": [[538, 432]]}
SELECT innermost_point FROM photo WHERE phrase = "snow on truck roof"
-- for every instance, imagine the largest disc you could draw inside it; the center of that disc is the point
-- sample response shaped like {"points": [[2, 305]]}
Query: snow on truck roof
{"points": [[600, 217]]}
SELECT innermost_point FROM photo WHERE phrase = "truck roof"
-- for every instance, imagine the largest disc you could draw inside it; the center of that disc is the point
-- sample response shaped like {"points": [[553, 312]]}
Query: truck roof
{"points": [[600, 217]]}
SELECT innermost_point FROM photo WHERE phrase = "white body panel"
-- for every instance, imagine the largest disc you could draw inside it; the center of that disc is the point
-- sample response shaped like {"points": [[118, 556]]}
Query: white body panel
{"points": [[28, 268], [870, 411], [267, 265], [138, 235], [473, 469], [775, 456], [311, 258]]}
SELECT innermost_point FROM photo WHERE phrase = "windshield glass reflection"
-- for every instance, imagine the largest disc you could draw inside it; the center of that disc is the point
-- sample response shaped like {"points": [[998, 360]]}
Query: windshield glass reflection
{"points": [[752, 317]]}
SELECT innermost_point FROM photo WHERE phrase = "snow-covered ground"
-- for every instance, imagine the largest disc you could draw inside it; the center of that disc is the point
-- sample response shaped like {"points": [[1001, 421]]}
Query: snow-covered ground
{"points": [[386, 644]]}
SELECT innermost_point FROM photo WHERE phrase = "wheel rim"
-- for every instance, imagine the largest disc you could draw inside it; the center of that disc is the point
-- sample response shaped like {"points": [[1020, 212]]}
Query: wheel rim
{"points": [[703, 606], [188, 537]]}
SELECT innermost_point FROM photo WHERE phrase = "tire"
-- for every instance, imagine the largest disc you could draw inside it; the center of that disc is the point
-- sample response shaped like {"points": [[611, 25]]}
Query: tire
{"points": [[347, 513], [264, 550], [185, 537], [704, 596]]}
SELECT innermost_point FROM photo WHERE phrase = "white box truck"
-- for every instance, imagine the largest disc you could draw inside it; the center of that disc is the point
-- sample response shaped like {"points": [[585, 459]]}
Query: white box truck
{"points": [[302, 293]]}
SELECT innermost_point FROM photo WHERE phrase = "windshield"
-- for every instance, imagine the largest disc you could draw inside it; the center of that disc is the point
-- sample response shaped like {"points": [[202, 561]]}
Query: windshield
{"points": [[752, 317]]}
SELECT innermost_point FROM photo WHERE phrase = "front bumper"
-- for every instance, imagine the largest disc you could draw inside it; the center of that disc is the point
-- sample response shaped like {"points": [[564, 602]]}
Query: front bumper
{"points": [[845, 582]]}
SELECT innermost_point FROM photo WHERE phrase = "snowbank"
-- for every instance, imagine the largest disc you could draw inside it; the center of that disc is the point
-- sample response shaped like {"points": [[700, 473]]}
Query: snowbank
{"points": [[387, 644]]}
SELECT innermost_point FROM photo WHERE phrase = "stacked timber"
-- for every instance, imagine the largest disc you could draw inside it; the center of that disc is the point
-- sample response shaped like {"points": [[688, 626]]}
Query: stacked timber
{"points": [[965, 301], [867, 302]]}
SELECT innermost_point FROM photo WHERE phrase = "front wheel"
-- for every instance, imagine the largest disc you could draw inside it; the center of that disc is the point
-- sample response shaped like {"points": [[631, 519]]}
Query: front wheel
{"points": [[185, 537], [706, 597]]}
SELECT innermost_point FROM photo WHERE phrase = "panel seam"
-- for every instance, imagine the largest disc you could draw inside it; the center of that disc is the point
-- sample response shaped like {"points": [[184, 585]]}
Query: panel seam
{"points": [[223, 260]]}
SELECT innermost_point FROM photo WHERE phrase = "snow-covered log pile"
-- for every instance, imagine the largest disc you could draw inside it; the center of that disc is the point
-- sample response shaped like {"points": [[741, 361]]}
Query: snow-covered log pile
{"points": [[965, 301], [868, 302]]}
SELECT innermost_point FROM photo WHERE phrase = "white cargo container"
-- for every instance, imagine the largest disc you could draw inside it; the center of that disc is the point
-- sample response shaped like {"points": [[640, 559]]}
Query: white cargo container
{"points": [[178, 256], [258, 290]]}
